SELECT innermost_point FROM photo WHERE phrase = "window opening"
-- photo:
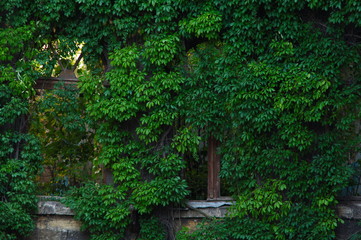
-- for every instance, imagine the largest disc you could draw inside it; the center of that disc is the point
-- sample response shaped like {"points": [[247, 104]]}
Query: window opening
{"points": [[66, 137]]}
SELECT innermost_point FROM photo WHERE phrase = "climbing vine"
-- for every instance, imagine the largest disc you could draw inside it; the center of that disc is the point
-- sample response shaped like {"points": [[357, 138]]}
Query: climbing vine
{"points": [[20, 155], [276, 83]]}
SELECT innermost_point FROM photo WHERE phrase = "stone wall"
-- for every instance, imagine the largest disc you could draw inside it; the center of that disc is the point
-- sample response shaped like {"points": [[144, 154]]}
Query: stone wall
{"points": [[55, 221], [350, 211]]}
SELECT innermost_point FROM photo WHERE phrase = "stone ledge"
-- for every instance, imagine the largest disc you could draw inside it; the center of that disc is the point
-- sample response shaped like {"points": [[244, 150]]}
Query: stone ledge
{"points": [[346, 209], [184, 213], [53, 206], [55, 220], [201, 209], [349, 209]]}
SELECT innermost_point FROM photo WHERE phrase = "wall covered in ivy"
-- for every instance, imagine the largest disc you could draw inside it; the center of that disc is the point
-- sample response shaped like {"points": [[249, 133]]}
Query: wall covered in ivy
{"points": [[275, 82]]}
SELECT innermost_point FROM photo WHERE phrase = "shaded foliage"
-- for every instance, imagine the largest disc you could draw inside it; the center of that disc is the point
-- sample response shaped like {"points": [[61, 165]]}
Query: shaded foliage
{"points": [[66, 136]]}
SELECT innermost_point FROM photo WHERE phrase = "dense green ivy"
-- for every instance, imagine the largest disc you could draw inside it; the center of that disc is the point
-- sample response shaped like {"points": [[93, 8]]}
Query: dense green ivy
{"points": [[275, 82], [20, 154]]}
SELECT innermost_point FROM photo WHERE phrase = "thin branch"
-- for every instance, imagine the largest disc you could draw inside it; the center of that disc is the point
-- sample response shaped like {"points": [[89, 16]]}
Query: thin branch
{"points": [[322, 24], [353, 35], [165, 135], [56, 54], [77, 62], [199, 211]]}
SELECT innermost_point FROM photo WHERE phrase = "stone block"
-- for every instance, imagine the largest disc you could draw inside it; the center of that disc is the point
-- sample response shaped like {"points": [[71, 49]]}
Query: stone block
{"points": [[53, 208], [52, 227]]}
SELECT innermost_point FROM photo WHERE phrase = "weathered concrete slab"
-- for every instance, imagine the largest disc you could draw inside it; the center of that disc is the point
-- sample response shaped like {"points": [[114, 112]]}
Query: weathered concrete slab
{"points": [[350, 211], [202, 209], [53, 208], [201, 213], [208, 204]]}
